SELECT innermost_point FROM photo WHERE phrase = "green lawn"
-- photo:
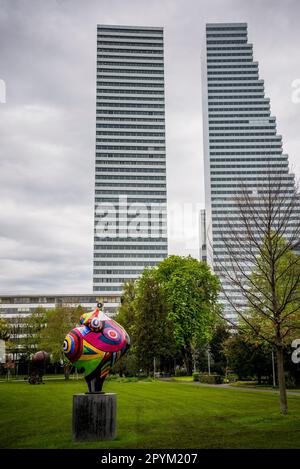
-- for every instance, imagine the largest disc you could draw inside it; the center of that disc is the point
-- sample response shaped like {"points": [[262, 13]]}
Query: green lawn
{"points": [[183, 378], [150, 415], [255, 385]]}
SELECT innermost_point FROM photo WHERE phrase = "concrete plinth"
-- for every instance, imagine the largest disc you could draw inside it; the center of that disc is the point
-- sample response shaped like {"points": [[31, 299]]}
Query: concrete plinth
{"points": [[94, 416]]}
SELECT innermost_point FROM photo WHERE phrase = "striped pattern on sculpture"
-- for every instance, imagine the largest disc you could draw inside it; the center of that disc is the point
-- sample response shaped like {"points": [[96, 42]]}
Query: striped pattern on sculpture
{"points": [[95, 346]]}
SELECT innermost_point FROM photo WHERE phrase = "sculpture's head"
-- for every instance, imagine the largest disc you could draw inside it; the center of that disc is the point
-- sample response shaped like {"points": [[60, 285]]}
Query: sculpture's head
{"points": [[95, 346]]}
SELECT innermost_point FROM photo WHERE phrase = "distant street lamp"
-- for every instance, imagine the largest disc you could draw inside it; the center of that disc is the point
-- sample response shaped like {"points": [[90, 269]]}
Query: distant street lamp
{"points": [[208, 360]]}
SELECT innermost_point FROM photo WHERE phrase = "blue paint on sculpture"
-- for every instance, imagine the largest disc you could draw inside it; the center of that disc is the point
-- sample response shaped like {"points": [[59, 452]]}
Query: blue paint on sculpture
{"points": [[95, 346]]}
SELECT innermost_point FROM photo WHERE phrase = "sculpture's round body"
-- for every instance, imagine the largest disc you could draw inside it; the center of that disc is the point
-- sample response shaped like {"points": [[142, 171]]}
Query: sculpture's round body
{"points": [[95, 346], [40, 356]]}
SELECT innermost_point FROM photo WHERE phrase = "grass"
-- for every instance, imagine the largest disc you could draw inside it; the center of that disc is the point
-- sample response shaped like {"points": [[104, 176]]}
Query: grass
{"points": [[182, 378], [151, 414], [255, 385]]}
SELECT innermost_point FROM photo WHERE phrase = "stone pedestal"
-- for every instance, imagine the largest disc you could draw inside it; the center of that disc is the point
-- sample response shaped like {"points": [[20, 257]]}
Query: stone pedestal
{"points": [[94, 416]]}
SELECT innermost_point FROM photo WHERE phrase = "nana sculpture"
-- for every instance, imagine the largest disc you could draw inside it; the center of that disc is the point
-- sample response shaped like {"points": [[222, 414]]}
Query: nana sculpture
{"points": [[95, 346]]}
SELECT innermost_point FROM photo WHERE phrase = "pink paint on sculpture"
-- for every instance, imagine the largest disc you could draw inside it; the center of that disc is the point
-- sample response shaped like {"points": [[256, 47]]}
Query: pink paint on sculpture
{"points": [[95, 346]]}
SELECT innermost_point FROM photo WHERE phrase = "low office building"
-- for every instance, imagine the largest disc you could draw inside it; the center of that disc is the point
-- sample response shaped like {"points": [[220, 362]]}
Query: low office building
{"points": [[20, 305]]}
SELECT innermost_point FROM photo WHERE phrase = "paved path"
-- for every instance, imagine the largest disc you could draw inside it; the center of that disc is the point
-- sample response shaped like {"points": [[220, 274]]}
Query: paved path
{"points": [[228, 386]]}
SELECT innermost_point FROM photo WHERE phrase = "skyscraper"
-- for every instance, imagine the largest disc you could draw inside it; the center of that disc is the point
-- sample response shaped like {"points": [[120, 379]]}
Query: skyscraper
{"points": [[130, 188], [241, 144]]}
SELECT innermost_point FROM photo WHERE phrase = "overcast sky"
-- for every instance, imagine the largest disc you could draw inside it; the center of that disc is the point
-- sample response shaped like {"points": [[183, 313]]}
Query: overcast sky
{"points": [[47, 126]]}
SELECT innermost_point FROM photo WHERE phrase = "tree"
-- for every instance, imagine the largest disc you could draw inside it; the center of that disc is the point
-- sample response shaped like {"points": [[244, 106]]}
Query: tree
{"points": [[263, 266], [216, 347], [59, 322], [127, 313], [14, 344], [144, 315], [4, 330], [154, 329], [32, 327], [170, 312], [248, 358], [192, 292]]}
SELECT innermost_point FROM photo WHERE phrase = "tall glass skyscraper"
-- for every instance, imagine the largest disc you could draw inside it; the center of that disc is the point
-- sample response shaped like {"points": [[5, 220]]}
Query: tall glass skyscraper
{"points": [[130, 189], [241, 144]]}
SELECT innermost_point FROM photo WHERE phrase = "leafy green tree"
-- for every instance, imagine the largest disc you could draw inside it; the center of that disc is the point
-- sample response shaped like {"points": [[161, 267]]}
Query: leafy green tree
{"points": [[144, 314], [14, 344], [127, 313], [32, 327], [248, 358], [4, 330], [220, 335], [170, 312], [59, 322], [154, 333], [192, 293]]}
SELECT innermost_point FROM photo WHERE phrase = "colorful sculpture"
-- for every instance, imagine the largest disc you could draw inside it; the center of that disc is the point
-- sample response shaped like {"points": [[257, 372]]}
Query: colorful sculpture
{"points": [[95, 346]]}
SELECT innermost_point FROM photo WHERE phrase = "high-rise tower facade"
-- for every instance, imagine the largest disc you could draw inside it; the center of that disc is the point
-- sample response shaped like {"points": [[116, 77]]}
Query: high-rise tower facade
{"points": [[130, 189], [241, 144]]}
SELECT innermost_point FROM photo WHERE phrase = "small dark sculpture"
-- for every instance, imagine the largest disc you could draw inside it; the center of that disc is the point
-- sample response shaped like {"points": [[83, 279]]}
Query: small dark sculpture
{"points": [[37, 367], [95, 346]]}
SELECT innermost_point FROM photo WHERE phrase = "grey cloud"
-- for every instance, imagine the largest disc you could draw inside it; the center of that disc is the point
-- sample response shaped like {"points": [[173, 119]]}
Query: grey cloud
{"points": [[48, 51]]}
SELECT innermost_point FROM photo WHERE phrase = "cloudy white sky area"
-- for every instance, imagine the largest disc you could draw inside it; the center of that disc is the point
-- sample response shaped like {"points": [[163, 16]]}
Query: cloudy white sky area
{"points": [[47, 126]]}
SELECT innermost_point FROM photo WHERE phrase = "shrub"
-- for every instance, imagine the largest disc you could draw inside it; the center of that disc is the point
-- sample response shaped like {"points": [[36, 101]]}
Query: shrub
{"points": [[196, 376], [210, 379], [180, 372], [232, 377]]}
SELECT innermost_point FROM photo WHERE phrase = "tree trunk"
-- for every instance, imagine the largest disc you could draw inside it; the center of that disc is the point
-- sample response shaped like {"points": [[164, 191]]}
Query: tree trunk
{"points": [[258, 378], [281, 381], [67, 371], [187, 361]]}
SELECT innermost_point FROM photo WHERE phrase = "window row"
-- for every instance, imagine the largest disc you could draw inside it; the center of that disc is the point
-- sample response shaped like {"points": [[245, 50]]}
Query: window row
{"points": [[129, 105], [245, 161], [128, 156], [158, 80], [127, 84], [237, 116], [134, 178], [126, 185], [130, 64], [143, 98], [126, 141], [121, 263], [129, 30], [120, 56], [140, 37], [134, 247], [116, 91], [238, 128], [134, 134], [129, 51], [143, 113], [129, 119], [130, 200], [133, 44], [218, 59], [126, 147], [130, 126], [130, 164], [130, 192], [130, 71]]}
